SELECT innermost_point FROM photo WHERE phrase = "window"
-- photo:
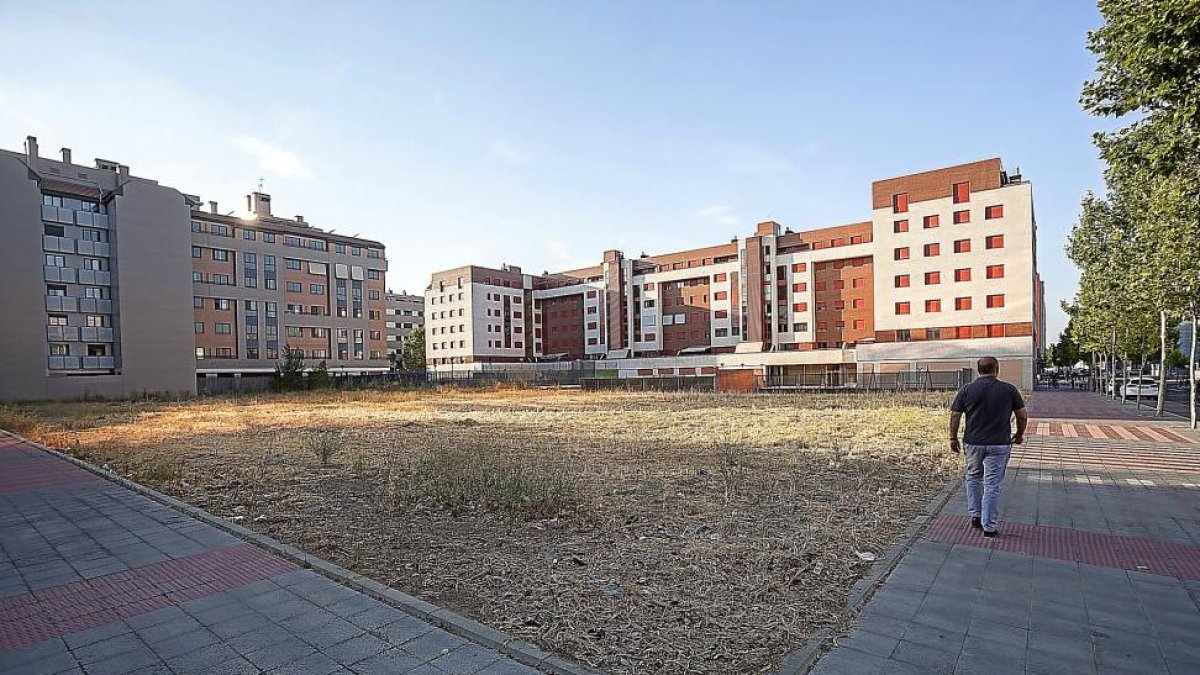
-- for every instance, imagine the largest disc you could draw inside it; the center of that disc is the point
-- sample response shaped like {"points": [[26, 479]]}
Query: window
{"points": [[900, 203], [374, 253], [58, 319], [268, 238], [933, 278], [292, 264], [900, 253], [222, 279], [800, 307], [995, 301], [93, 292], [94, 264], [933, 306], [198, 327], [993, 212], [901, 281], [373, 275], [54, 230], [221, 304], [931, 222], [197, 227], [900, 226], [856, 303], [56, 260], [994, 241], [962, 246], [198, 277], [87, 234], [820, 286], [962, 274], [60, 349], [903, 335], [856, 282], [95, 321], [995, 271], [648, 304], [295, 287], [932, 250], [721, 295], [220, 230], [962, 217], [289, 240], [249, 235], [962, 193], [316, 289], [903, 308], [197, 252], [962, 304], [220, 254], [799, 267], [372, 295]]}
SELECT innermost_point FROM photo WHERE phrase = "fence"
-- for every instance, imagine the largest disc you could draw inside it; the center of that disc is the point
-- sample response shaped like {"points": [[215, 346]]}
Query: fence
{"points": [[696, 383], [916, 380]]}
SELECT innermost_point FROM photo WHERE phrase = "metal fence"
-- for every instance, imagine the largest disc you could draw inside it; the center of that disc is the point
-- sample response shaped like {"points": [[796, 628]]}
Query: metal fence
{"points": [[916, 380], [692, 383]]}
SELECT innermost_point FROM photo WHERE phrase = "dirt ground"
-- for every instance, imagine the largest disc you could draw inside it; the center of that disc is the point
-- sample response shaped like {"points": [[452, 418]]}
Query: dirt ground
{"points": [[633, 532]]}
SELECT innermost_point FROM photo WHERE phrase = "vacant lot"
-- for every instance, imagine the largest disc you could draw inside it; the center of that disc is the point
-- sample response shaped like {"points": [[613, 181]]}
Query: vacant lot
{"points": [[637, 533]]}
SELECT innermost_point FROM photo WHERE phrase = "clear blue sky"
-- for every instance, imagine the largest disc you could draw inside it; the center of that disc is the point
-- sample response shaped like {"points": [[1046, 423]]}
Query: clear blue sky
{"points": [[541, 133]]}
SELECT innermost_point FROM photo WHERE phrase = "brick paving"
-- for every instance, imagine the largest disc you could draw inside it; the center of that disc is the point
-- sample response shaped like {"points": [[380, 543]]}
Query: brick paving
{"points": [[1095, 569], [97, 579]]}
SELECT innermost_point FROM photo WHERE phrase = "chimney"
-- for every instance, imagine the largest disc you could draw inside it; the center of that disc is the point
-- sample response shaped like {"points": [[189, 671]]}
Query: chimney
{"points": [[66, 155], [299, 218], [31, 148], [212, 207], [258, 203]]}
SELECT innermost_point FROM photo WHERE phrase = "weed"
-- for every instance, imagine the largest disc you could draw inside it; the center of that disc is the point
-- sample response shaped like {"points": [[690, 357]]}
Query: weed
{"points": [[324, 445]]}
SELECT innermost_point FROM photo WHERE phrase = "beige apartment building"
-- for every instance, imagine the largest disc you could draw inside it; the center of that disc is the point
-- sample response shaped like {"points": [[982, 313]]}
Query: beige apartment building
{"points": [[404, 314], [943, 272], [117, 286]]}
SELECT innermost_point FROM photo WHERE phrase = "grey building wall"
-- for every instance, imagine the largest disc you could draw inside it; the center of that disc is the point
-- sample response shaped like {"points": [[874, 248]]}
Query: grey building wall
{"points": [[23, 346], [154, 289], [397, 319], [149, 317]]}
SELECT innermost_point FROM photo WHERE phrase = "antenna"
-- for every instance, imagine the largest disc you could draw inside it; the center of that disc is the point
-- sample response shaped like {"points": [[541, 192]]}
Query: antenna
{"points": [[260, 184]]}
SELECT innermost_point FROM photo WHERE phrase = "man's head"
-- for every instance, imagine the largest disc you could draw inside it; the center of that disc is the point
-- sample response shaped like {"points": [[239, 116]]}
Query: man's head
{"points": [[988, 365]]}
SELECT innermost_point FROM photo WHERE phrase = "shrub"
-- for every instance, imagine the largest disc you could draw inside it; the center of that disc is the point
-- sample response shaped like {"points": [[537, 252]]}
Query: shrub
{"points": [[324, 445]]}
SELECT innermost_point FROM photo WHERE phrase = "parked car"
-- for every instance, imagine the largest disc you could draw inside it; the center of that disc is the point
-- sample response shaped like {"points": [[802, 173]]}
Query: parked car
{"points": [[1140, 386]]}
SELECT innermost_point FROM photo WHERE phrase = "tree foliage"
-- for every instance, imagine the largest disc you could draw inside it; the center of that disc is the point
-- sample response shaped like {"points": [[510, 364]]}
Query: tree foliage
{"points": [[412, 351], [289, 372]]}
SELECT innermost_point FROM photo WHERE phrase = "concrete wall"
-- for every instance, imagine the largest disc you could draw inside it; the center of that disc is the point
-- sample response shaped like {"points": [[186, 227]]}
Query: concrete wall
{"points": [[153, 289], [23, 346]]}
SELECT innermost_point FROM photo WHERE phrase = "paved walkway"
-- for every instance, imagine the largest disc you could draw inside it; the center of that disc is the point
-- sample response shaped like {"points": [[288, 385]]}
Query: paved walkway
{"points": [[1096, 569], [98, 579]]}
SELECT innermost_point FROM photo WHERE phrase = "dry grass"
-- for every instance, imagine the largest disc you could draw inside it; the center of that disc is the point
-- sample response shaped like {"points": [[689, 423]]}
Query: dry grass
{"points": [[635, 532]]}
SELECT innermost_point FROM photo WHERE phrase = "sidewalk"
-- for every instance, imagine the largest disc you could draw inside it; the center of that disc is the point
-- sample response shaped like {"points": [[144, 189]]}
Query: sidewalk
{"points": [[1096, 569], [98, 579]]}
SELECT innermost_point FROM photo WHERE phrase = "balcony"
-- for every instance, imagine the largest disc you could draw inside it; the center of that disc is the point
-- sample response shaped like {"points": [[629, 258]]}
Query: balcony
{"points": [[97, 248], [62, 333], [55, 244], [95, 277], [59, 303], [66, 275]]}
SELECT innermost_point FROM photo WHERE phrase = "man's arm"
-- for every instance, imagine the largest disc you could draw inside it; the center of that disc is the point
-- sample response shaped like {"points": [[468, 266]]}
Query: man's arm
{"points": [[1022, 422], [955, 420]]}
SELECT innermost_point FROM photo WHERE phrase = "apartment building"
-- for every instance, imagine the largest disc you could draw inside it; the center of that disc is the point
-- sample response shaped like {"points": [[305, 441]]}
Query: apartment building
{"points": [[95, 280], [943, 272], [263, 283], [102, 298], [403, 314]]}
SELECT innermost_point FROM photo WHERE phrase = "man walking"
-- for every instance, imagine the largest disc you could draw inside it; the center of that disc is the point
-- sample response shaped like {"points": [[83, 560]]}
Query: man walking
{"points": [[989, 404]]}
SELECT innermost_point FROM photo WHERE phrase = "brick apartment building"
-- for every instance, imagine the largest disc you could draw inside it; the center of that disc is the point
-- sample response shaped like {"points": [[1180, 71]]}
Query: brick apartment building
{"points": [[943, 272], [403, 314], [104, 300]]}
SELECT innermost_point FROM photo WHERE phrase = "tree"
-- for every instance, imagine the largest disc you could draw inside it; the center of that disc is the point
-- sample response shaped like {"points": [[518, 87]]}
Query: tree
{"points": [[289, 372], [1148, 69], [412, 351], [318, 378]]}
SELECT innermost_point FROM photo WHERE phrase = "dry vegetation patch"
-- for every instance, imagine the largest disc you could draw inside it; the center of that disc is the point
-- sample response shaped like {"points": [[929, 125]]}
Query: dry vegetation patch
{"points": [[635, 532]]}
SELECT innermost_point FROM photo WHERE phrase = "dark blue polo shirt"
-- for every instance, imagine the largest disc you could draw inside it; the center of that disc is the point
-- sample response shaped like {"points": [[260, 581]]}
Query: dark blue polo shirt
{"points": [[989, 404]]}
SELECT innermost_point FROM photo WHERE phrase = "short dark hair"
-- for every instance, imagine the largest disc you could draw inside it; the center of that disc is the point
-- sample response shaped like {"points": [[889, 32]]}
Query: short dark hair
{"points": [[988, 365]]}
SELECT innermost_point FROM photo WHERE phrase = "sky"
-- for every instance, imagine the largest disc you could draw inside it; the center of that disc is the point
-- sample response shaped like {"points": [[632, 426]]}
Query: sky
{"points": [[542, 133]]}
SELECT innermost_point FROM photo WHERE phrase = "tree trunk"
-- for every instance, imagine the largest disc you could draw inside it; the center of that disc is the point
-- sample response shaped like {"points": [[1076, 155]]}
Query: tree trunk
{"points": [[1162, 363], [1192, 372]]}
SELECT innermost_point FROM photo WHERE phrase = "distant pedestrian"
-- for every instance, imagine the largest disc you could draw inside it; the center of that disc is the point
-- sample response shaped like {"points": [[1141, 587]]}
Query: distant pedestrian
{"points": [[989, 404]]}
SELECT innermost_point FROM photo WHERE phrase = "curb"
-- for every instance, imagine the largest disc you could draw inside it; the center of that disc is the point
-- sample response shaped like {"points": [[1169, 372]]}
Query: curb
{"points": [[518, 650], [799, 661]]}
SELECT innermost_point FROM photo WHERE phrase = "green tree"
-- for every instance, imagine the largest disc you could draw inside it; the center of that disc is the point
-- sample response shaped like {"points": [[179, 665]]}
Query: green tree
{"points": [[412, 351], [289, 372], [318, 377]]}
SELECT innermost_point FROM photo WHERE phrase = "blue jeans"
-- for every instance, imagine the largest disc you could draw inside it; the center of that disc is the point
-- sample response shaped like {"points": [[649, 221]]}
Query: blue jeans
{"points": [[986, 465]]}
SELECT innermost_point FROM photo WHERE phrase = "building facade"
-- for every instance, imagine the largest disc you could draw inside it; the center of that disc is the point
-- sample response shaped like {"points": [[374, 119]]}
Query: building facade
{"points": [[117, 286], [944, 272], [262, 284], [403, 314]]}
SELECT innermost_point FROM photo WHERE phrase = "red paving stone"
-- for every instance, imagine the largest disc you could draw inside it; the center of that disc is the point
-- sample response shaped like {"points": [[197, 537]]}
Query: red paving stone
{"points": [[1108, 455], [53, 612], [22, 468], [1151, 556], [1107, 431]]}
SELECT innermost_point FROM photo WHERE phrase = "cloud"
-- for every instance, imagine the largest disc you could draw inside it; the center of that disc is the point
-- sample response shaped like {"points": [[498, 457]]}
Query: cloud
{"points": [[272, 158], [562, 258], [720, 214], [505, 149]]}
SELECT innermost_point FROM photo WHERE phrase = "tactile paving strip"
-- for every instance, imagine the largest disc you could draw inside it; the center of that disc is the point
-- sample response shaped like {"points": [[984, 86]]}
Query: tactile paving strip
{"points": [[60, 610], [1151, 556], [1116, 432], [1039, 451]]}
